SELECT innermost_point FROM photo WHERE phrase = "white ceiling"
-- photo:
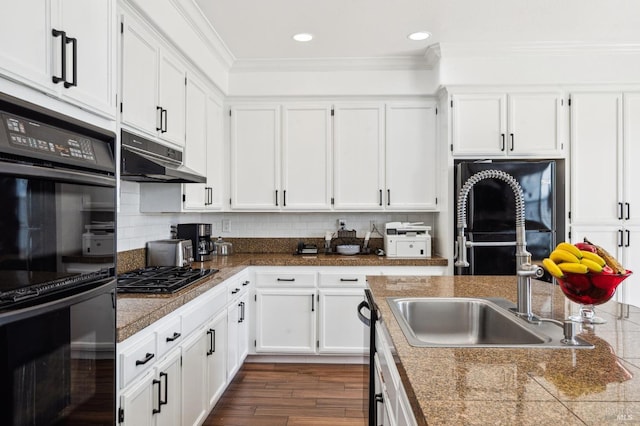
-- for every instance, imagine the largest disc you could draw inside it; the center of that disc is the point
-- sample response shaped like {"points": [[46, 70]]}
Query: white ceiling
{"points": [[262, 29]]}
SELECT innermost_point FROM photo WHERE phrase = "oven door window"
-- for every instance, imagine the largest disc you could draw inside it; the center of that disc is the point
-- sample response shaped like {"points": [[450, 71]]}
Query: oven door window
{"points": [[58, 365], [51, 229]]}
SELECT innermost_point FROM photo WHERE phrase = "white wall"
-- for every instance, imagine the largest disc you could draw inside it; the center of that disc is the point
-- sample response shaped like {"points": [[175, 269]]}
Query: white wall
{"points": [[135, 228]]}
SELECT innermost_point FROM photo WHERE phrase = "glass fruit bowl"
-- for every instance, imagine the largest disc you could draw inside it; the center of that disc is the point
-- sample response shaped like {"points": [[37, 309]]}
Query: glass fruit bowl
{"points": [[589, 290]]}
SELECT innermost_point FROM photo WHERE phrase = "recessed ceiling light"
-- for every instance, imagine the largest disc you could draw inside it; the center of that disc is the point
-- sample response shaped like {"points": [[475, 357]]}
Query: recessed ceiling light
{"points": [[419, 36], [303, 37]]}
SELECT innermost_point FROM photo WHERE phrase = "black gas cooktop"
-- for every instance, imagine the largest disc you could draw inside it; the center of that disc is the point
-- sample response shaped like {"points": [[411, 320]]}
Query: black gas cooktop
{"points": [[160, 279]]}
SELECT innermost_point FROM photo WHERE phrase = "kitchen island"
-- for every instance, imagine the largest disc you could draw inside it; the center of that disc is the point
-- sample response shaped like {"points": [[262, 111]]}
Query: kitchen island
{"points": [[517, 386]]}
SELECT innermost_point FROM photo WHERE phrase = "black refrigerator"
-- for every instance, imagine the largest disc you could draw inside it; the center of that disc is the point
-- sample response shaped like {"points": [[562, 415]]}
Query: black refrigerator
{"points": [[491, 213]]}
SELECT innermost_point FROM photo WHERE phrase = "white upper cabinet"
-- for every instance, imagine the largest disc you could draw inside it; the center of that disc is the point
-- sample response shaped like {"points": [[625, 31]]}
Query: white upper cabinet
{"points": [[334, 157], [91, 54], [153, 85], [203, 153], [38, 34], [274, 169], [630, 158], [507, 124], [306, 157], [255, 157], [358, 167], [596, 148], [215, 192], [27, 50], [411, 178]]}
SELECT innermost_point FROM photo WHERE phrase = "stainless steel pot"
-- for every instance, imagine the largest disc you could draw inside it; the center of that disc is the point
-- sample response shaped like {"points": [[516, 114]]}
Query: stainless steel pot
{"points": [[223, 248]]}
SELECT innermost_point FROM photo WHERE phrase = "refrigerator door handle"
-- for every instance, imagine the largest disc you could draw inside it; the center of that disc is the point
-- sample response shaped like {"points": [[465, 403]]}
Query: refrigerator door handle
{"points": [[490, 243]]}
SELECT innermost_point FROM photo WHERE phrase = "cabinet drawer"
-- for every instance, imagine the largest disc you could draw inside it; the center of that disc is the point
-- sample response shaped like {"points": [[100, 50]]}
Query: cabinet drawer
{"points": [[285, 279], [204, 307], [137, 359], [238, 287], [341, 279], [169, 335]]}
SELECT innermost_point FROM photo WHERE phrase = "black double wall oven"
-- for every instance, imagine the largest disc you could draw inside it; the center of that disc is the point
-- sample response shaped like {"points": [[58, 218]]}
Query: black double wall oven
{"points": [[57, 306]]}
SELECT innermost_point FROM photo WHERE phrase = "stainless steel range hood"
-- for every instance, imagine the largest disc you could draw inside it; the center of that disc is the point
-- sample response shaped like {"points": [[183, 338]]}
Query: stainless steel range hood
{"points": [[143, 160]]}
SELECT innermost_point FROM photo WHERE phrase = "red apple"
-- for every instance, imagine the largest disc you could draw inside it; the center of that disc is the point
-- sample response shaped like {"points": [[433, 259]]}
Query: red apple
{"points": [[586, 247], [606, 269]]}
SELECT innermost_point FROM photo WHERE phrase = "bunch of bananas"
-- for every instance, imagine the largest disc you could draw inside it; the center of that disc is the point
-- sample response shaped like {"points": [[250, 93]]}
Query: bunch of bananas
{"points": [[581, 258]]}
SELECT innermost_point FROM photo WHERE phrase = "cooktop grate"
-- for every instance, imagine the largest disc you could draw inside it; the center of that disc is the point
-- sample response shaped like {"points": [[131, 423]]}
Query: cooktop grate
{"points": [[160, 279]]}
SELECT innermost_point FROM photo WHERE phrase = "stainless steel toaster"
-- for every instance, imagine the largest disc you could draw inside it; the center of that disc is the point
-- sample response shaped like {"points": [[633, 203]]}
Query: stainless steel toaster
{"points": [[173, 252]]}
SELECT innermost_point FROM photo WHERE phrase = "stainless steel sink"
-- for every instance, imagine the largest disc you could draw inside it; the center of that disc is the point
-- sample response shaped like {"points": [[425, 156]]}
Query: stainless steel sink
{"points": [[471, 322]]}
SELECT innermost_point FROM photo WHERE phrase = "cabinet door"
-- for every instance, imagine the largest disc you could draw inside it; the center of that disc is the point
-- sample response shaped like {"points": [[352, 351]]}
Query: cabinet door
{"points": [[137, 402], [195, 151], [28, 44], [172, 99], [168, 380], [411, 157], [631, 159], [631, 261], [194, 375], [286, 320], [359, 157], [216, 358], [596, 179], [306, 157], [255, 164], [92, 24], [479, 124], [340, 329], [215, 154], [139, 78], [534, 124], [233, 329], [243, 329]]}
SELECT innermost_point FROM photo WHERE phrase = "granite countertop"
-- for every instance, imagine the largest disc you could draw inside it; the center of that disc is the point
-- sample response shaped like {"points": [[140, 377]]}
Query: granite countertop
{"points": [[137, 311], [518, 386]]}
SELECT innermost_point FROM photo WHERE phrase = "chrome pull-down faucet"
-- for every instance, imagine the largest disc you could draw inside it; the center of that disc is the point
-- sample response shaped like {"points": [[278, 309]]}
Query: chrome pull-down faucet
{"points": [[524, 268]]}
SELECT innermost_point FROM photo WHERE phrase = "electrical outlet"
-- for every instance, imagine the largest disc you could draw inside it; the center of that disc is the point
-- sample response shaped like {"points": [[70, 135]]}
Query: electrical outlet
{"points": [[226, 225], [342, 223]]}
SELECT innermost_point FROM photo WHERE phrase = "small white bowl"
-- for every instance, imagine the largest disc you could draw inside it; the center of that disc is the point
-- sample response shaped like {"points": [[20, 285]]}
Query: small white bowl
{"points": [[350, 249]]}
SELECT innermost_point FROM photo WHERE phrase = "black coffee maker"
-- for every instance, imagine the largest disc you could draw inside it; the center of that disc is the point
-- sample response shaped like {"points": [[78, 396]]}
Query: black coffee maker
{"points": [[200, 236]]}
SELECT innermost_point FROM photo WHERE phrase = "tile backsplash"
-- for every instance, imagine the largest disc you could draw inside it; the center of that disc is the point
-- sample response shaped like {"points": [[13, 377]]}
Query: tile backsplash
{"points": [[135, 228]]}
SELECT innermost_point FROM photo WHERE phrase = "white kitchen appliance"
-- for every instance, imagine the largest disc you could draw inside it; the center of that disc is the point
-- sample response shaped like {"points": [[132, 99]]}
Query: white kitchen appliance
{"points": [[407, 240], [98, 239]]}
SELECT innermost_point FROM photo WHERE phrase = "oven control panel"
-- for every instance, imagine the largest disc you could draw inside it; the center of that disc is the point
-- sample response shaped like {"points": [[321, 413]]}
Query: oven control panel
{"points": [[46, 140]]}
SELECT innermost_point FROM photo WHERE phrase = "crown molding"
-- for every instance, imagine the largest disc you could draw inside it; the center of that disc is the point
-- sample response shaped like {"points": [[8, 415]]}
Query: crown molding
{"points": [[203, 28], [535, 49], [332, 64]]}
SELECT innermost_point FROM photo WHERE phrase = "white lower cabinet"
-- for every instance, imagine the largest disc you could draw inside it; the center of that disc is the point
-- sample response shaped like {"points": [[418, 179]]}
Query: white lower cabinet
{"points": [[392, 400], [174, 371], [136, 403], [313, 310], [286, 320], [155, 398], [204, 370], [194, 369], [239, 292], [216, 359], [167, 385]]}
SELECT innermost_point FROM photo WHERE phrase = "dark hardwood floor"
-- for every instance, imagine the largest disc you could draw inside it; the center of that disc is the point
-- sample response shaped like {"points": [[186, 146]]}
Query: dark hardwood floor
{"points": [[273, 394]]}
